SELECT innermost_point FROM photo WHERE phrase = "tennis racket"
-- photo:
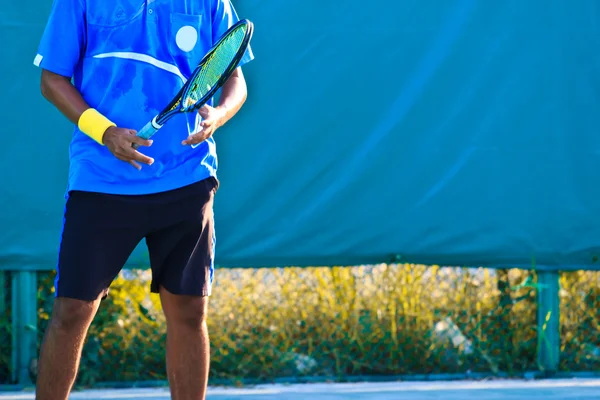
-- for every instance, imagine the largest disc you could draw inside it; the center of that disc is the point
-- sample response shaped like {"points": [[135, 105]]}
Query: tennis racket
{"points": [[212, 72]]}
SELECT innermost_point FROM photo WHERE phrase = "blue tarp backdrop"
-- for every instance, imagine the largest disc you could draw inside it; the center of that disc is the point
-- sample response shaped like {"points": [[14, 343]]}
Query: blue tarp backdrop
{"points": [[458, 132]]}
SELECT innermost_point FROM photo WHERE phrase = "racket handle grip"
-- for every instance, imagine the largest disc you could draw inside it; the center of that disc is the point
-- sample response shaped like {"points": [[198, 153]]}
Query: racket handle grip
{"points": [[147, 131]]}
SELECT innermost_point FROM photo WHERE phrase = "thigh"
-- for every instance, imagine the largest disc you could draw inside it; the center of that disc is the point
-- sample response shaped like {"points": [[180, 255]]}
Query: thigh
{"points": [[99, 234], [182, 247]]}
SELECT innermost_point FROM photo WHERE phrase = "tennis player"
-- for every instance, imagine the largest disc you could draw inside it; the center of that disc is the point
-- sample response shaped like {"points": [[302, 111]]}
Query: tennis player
{"points": [[109, 66]]}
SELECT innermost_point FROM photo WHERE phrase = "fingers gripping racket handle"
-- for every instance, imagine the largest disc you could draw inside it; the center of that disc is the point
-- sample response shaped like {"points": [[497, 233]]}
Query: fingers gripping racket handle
{"points": [[148, 131]]}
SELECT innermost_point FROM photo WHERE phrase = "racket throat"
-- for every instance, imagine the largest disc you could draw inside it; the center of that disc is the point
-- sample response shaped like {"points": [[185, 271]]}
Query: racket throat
{"points": [[155, 124]]}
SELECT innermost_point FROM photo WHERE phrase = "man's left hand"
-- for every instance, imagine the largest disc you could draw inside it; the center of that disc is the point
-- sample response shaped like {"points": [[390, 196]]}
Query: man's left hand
{"points": [[212, 119]]}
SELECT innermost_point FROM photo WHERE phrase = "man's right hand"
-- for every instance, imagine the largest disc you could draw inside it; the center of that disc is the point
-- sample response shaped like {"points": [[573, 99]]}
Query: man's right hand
{"points": [[120, 140]]}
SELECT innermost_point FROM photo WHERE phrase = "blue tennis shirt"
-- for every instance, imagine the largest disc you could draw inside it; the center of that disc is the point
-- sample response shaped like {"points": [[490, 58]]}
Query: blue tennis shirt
{"points": [[128, 58]]}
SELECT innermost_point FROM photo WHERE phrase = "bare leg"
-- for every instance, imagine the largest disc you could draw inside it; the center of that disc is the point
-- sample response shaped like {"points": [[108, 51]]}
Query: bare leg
{"points": [[61, 348], [188, 347]]}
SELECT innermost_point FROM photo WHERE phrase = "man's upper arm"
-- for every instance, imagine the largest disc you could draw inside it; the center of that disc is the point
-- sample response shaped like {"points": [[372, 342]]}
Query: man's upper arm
{"points": [[63, 40], [224, 16]]}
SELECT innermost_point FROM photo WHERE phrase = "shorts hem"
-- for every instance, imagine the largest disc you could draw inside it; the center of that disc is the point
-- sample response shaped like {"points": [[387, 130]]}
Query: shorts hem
{"points": [[100, 296], [201, 293]]}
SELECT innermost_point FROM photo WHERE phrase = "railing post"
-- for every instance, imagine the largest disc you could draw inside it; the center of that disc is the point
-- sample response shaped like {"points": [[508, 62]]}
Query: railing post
{"points": [[24, 322], [548, 329], [2, 292]]}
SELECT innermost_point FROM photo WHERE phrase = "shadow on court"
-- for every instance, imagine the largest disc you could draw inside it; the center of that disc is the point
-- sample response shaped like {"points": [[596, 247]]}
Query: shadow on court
{"points": [[513, 390]]}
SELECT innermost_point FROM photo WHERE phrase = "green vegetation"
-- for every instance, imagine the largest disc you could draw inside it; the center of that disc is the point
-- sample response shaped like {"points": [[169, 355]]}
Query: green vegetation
{"points": [[339, 322]]}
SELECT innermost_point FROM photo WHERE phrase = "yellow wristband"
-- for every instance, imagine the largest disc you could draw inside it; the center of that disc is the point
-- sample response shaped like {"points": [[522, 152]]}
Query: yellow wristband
{"points": [[94, 124]]}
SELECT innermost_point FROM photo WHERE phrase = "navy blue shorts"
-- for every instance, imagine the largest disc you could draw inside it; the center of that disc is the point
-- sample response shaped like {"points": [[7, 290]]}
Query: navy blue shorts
{"points": [[101, 231]]}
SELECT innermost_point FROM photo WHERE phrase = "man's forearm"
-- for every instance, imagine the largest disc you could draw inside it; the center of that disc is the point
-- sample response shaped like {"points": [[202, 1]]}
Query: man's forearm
{"points": [[67, 99], [59, 91], [233, 95]]}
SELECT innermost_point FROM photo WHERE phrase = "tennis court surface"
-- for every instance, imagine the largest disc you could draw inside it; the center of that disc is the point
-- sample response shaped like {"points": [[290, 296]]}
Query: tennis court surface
{"points": [[491, 390]]}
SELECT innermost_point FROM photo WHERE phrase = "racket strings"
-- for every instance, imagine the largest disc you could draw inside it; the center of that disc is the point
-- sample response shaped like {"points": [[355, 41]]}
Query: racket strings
{"points": [[215, 66]]}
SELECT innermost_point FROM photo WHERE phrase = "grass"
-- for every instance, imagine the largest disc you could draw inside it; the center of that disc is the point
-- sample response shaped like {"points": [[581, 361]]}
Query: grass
{"points": [[379, 320]]}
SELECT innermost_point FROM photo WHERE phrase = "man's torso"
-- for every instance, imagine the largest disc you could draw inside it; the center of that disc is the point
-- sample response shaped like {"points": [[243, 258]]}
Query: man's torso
{"points": [[134, 57]]}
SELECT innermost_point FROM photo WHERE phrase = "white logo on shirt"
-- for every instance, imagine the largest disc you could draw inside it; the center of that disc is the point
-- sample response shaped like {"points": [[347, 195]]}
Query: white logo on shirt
{"points": [[186, 38]]}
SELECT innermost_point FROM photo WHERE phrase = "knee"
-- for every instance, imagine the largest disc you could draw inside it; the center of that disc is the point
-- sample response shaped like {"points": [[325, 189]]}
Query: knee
{"points": [[71, 314], [190, 314]]}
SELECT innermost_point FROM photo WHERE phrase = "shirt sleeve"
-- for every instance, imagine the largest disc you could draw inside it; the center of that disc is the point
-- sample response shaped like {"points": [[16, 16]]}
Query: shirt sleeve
{"points": [[64, 38], [225, 16]]}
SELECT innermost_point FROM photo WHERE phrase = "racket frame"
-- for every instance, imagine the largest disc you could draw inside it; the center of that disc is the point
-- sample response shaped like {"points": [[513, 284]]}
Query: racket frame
{"points": [[175, 106]]}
